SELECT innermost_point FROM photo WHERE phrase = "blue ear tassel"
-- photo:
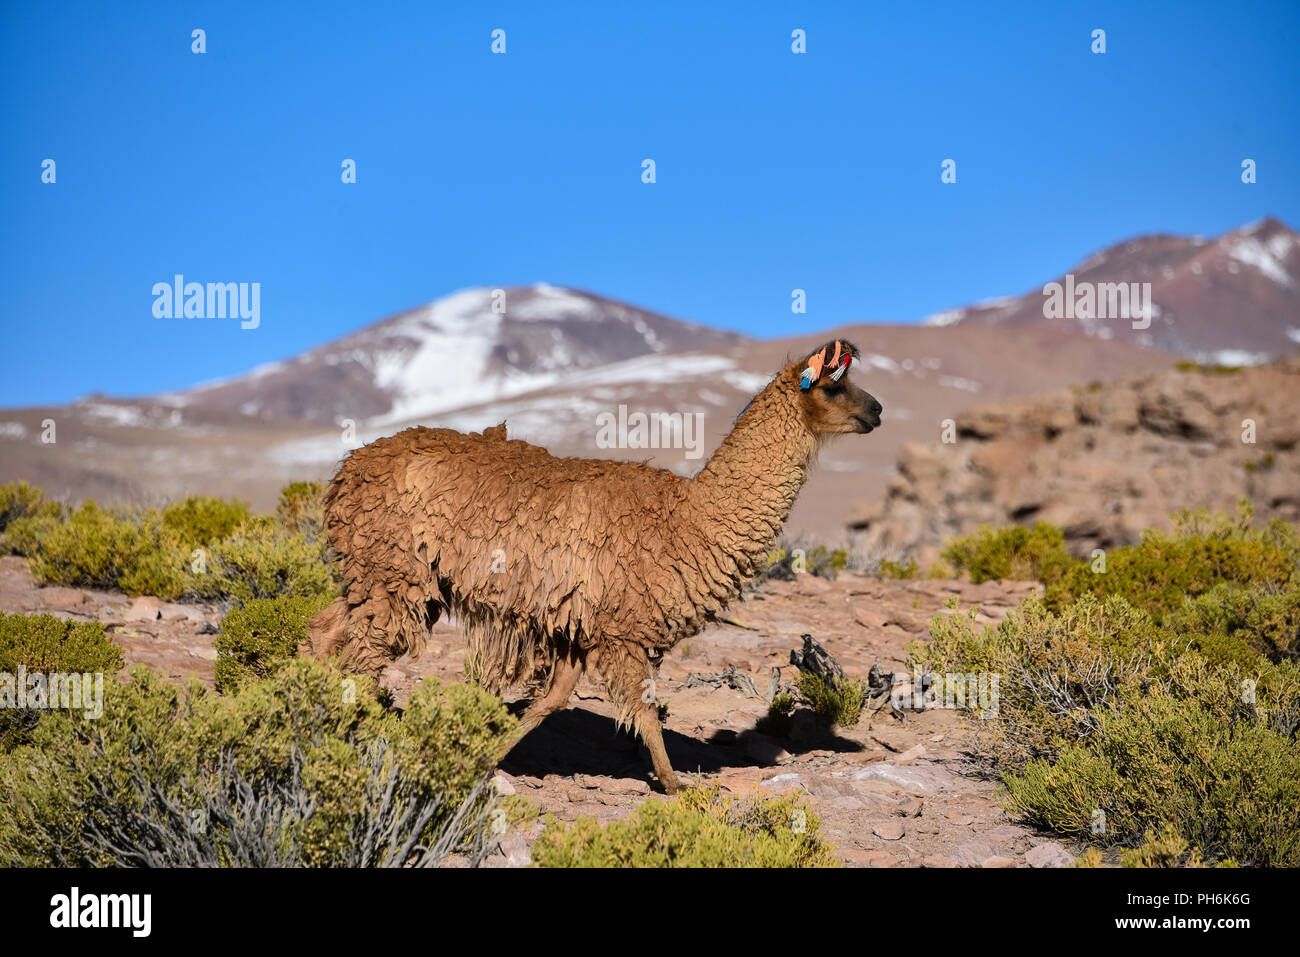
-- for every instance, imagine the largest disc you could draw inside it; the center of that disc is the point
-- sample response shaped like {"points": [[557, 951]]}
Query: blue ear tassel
{"points": [[805, 383]]}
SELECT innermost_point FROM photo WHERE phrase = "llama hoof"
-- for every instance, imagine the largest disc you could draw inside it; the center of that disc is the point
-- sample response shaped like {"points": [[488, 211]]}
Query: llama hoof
{"points": [[674, 783]]}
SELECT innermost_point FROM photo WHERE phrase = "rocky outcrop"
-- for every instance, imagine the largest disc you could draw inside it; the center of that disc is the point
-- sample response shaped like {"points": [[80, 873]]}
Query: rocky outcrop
{"points": [[1103, 462]]}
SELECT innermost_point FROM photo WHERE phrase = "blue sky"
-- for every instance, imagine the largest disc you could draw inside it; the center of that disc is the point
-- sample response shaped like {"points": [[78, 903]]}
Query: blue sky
{"points": [[775, 171]]}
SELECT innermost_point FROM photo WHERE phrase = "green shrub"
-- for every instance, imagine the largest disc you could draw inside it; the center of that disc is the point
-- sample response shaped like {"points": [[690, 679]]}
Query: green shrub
{"points": [[98, 548], [780, 712], [24, 534], [1015, 552], [1186, 365], [940, 569], [18, 499], [1194, 754], [1230, 623], [899, 570], [302, 508], [302, 768], [1056, 671], [46, 645], [1158, 698], [784, 562], [262, 560], [702, 828], [259, 636], [199, 548], [200, 520], [834, 702], [1165, 848], [1162, 571]]}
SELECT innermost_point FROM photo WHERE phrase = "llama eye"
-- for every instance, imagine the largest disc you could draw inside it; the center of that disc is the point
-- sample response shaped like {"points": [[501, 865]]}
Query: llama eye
{"points": [[835, 390]]}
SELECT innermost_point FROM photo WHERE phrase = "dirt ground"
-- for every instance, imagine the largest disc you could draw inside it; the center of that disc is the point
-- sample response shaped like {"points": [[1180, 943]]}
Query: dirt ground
{"points": [[890, 791]]}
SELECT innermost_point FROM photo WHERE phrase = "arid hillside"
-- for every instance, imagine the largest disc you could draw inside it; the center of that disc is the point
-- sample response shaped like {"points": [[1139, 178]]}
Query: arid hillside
{"points": [[1103, 461]]}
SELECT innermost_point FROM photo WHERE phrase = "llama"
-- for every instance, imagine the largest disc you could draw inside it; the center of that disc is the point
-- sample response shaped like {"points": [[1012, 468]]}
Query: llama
{"points": [[559, 566]]}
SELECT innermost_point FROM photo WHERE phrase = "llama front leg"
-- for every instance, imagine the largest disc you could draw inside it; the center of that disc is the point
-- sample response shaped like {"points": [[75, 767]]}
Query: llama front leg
{"points": [[325, 631], [631, 680], [650, 728], [343, 631], [379, 628]]}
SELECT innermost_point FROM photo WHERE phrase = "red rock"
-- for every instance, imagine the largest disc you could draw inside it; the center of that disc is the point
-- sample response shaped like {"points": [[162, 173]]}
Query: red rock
{"points": [[889, 831], [1049, 854]]}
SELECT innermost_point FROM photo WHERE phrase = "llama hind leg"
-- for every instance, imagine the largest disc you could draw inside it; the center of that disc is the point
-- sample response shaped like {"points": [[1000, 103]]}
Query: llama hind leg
{"points": [[567, 673]]}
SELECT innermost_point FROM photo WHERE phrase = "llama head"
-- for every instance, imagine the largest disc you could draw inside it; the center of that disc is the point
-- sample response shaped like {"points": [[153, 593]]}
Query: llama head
{"points": [[830, 403]]}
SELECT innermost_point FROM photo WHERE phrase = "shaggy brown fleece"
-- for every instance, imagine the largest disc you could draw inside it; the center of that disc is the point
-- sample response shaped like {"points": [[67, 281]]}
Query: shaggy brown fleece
{"points": [[559, 565]]}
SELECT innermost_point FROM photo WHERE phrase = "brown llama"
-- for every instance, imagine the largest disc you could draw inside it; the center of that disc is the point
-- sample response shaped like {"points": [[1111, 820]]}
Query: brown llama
{"points": [[556, 566]]}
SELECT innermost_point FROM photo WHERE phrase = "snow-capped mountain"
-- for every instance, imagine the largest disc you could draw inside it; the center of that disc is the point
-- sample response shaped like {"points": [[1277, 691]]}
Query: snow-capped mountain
{"points": [[1233, 300], [551, 361], [471, 347]]}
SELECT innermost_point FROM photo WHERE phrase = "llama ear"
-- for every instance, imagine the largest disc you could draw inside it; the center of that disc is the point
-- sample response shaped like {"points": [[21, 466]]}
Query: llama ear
{"points": [[833, 358], [813, 372]]}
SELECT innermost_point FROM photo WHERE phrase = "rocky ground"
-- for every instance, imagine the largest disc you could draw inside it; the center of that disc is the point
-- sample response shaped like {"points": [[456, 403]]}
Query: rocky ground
{"points": [[890, 791]]}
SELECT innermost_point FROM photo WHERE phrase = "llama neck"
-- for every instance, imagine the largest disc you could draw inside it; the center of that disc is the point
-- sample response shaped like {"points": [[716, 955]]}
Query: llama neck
{"points": [[740, 500]]}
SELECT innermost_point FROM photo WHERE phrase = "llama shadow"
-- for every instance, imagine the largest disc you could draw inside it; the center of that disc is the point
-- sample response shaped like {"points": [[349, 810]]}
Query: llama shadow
{"points": [[578, 741]]}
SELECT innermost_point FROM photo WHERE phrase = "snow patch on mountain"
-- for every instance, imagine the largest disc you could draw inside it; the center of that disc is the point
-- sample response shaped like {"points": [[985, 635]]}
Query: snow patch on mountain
{"points": [[949, 318], [1266, 257]]}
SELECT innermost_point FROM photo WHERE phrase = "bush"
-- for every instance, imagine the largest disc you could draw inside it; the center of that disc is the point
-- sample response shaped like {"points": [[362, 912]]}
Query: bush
{"points": [[1160, 697], [44, 644], [834, 702], [302, 509], [262, 560], [1194, 755], [93, 547], [1165, 848], [47, 644], [256, 638], [200, 520], [780, 712], [1162, 571], [198, 548], [1186, 365], [1056, 671], [304, 768], [1013, 552], [18, 499], [786, 561], [1230, 623], [899, 570], [940, 570], [702, 828]]}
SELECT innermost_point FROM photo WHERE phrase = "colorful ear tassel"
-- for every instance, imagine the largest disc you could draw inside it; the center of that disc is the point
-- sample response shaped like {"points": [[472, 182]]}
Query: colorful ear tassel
{"points": [[839, 364]]}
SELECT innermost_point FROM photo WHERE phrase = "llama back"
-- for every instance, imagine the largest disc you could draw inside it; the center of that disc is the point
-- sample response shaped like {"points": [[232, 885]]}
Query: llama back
{"points": [[500, 532]]}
